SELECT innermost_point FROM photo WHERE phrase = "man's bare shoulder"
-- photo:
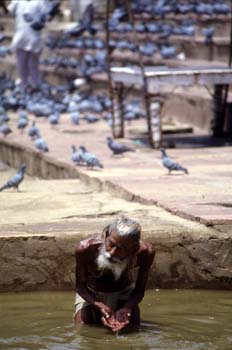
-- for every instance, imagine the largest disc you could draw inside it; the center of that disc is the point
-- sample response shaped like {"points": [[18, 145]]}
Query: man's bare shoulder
{"points": [[145, 248], [146, 253], [92, 242]]}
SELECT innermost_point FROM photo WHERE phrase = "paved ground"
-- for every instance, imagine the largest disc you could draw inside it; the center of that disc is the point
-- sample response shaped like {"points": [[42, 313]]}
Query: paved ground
{"points": [[204, 195], [69, 206]]}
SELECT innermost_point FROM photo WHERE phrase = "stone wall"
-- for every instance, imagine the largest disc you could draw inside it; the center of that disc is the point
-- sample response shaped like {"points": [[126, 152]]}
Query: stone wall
{"points": [[47, 262], [36, 263]]}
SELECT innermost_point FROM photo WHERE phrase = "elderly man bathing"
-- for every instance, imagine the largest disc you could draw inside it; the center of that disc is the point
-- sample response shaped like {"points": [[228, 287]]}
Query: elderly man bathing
{"points": [[105, 292]]}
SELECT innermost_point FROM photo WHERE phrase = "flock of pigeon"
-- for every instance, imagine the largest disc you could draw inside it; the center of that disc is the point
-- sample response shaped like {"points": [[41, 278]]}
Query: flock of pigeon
{"points": [[49, 106], [56, 100], [22, 123], [158, 30], [82, 156], [88, 63], [165, 7], [84, 66]]}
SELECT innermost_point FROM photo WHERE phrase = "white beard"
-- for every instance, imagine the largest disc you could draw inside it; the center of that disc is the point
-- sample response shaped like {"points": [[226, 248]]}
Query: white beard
{"points": [[116, 267]]}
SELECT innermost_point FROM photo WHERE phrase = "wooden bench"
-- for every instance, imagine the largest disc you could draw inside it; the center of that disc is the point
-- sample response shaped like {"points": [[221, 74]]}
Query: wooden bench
{"points": [[154, 78]]}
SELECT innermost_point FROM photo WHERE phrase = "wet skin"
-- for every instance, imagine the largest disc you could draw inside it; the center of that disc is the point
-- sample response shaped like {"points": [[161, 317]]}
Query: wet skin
{"points": [[140, 255]]}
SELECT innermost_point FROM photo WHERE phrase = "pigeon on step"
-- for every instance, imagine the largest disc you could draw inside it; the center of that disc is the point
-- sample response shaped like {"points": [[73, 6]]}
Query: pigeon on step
{"points": [[90, 159], [171, 164], [54, 118], [41, 144], [75, 118], [22, 124], [5, 129], [208, 34], [116, 147], [77, 155], [15, 180], [33, 130]]}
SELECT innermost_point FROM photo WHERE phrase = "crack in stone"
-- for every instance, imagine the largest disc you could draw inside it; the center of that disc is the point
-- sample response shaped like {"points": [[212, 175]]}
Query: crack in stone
{"points": [[223, 204], [92, 216], [78, 193]]}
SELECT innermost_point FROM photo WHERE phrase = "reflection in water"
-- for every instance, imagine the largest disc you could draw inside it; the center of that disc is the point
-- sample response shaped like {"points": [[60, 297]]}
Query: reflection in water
{"points": [[183, 320]]}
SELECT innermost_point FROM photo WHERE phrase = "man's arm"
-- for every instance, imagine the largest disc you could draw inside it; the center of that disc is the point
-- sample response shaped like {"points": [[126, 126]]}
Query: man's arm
{"points": [[145, 260]]}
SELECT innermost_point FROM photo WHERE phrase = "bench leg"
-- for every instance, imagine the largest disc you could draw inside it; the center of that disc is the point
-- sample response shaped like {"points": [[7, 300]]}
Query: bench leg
{"points": [[155, 123]]}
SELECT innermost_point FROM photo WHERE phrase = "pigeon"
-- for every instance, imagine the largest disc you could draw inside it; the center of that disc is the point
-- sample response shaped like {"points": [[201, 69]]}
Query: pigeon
{"points": [[221, 9], [33, 130], [54, 119], [204, 9], [41, 144], [166, 31], [97, 106], [90, 159], [5, 129], [4, 51], [4, 118], [15, 180], [72, 106], [90, 118], [208, 34], [183, 8], [140, 28], [99, 44], [39, 108], [148, 49], [2, 110], [122, 45], [153, 27], [168, 52], [22, 124], [77, 155], [188, 30], [52, 9], [116, 147], [23, 115], [86, 23], [59, 108], [75, 118], [85, 105], [170, 164]]}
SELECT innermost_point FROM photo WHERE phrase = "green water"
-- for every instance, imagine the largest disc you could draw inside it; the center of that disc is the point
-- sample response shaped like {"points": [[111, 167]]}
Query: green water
{"points": [[173, 319]]}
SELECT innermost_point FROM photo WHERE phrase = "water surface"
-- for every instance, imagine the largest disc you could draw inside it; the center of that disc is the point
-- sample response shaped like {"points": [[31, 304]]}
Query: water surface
{"points": [[171, 319]]}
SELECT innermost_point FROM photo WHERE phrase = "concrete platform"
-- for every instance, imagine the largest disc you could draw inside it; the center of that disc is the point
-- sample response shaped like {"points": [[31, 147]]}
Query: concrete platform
{"points": [[139, 176]]}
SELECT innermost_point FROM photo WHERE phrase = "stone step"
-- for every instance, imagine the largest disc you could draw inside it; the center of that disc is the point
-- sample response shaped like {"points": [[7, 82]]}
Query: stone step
{"points": [[193, 48], [221, 23]]}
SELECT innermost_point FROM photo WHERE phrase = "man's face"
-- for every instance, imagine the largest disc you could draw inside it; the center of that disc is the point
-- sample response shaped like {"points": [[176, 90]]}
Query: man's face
{"points": [[115, 254], [119, 248]]}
